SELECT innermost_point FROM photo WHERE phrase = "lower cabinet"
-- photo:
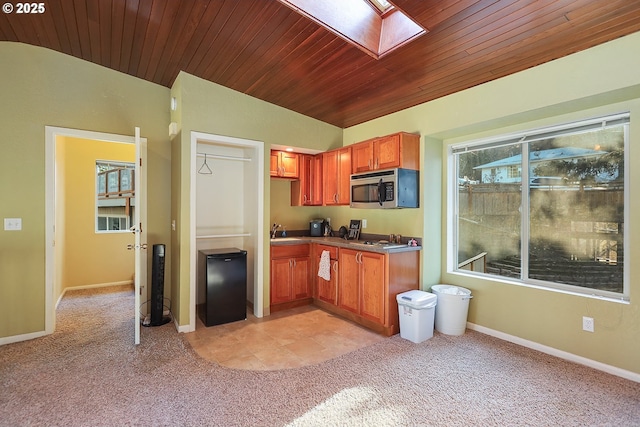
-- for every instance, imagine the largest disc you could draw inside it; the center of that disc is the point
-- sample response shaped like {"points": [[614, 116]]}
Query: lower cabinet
{"points": [[362, 283], [290, 276], [362, 286]]}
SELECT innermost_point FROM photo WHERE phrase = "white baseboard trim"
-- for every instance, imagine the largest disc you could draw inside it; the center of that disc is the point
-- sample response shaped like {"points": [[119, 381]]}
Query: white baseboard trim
{"points": [[96, 285], [557, 353], [23, 337], [181, 329]]}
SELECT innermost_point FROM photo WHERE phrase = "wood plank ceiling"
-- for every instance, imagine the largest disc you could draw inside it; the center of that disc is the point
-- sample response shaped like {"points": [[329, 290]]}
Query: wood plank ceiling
{"points": [[265, 49]]}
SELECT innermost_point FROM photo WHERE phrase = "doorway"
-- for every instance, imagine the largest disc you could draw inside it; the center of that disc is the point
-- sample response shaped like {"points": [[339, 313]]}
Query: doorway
{"points": [[82, 150]]}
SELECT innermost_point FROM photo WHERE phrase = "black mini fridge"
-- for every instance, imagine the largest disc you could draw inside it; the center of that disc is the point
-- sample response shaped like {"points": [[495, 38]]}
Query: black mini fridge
{"points": [[222, 278]]}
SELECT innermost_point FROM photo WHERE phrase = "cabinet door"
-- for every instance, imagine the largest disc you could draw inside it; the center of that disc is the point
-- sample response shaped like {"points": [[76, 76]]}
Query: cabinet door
{"points": [[280, 280], [289, 164], [274, 163], [300, 283], [316, 180], [301, 188], [372, 286], [327, 290], [344, 176], [387, 152], [362, 157], [349, 280], [330, 175]]}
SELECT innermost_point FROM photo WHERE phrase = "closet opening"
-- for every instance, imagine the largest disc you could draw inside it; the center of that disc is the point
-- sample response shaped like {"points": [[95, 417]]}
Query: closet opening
{"points": [[227, 209]]}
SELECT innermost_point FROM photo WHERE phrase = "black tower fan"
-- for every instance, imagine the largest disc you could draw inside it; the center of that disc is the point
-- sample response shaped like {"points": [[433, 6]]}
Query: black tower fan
{"points": [[157, 287]]}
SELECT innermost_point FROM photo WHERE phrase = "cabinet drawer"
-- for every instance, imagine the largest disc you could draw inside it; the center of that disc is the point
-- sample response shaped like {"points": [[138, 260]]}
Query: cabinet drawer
{"points": [[333, 251], [289, 251]]}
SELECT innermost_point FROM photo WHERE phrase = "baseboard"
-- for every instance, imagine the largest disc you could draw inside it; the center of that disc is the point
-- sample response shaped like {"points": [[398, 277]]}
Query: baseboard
{"points": [[23, 337], [97, 285], [181, 329], [557, 353]]}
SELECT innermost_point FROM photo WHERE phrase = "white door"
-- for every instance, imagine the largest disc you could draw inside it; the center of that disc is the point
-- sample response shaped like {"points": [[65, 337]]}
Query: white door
{"points": [[139, 228]]}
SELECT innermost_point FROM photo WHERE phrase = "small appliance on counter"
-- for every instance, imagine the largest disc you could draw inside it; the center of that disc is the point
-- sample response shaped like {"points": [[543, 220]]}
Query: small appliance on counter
{"points": [[316, 227], [328, 232]]}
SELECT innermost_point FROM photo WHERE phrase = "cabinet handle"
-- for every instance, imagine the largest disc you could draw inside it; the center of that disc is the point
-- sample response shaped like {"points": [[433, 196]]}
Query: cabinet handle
{"points": [[335, 197], [335, 267], [369, 164]]}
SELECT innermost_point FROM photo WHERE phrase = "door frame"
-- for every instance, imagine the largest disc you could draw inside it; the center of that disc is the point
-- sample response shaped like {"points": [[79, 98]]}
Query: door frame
{"points": [[258, 285], [51, 134]]}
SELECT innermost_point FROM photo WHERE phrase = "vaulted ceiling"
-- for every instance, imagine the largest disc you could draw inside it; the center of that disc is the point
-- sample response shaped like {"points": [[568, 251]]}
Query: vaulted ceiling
{"points": [[269, 51]]}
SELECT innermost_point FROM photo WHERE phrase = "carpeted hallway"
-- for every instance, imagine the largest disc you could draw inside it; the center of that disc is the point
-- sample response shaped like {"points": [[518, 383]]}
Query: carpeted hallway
{"points": [[89, 374]]}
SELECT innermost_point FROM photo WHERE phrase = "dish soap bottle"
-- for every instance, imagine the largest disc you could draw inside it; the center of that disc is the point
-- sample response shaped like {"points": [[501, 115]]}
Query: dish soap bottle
{"points": [[284, 232]]}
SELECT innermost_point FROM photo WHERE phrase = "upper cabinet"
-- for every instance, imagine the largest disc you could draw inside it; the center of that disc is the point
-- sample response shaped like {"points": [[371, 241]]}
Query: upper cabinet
{"points": [[399, 150], [336, 169], [284, 164], [307, 191]]}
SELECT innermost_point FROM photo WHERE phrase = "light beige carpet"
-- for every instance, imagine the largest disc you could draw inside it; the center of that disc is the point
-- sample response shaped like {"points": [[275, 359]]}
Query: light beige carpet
{"points": [[89, 374]]}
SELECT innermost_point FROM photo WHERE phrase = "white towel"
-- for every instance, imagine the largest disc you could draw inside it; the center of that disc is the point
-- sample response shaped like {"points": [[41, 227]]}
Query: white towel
{"points": [[324, 269]]}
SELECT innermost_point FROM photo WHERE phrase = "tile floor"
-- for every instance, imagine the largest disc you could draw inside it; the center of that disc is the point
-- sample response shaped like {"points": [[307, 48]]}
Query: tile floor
{"points": [[286, 339]]}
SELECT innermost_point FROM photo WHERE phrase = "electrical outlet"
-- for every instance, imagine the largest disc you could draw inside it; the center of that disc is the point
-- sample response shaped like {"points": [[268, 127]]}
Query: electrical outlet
{"points": [[587, 324], [364, 223]]}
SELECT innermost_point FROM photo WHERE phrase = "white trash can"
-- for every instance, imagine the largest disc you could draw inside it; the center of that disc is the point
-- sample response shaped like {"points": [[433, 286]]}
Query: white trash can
{"points": [[416, 310], [452, 310]]}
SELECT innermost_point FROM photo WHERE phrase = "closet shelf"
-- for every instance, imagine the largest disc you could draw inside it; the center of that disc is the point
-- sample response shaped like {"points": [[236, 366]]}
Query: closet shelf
{"points": [[221, 157], [219, 236]]}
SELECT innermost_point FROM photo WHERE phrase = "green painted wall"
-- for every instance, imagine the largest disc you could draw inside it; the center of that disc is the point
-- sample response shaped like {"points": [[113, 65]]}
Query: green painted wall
{"points": [[45, 88], [599, 81]]}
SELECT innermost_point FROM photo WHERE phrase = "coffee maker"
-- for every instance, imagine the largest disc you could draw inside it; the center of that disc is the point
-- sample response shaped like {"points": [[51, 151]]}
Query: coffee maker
{"points": [[316, 227]]}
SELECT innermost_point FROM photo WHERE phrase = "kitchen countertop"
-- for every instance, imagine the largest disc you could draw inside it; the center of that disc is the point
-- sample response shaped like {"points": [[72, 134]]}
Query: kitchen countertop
{"points": [[342, 243]]}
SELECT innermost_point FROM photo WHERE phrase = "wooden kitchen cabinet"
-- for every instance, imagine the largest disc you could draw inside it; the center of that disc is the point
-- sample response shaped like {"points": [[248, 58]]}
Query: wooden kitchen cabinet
{"points": [[362, 284], [327, 290], [368, 283], [399, 150], [307, 191], [336, 169], [290, 276], [284, 164]]}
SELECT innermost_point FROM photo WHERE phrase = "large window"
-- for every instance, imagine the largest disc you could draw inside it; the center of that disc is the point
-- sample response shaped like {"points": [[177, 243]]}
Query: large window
{"points": [[545, 207], [115, 196]]}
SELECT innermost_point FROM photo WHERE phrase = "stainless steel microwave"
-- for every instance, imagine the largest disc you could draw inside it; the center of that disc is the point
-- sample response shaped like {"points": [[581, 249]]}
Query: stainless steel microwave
{"points": [[391, 188]]}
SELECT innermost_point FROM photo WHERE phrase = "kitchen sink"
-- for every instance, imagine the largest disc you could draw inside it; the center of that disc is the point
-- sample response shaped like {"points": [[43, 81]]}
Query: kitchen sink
{"points": [[285, 239], [383, 245]]}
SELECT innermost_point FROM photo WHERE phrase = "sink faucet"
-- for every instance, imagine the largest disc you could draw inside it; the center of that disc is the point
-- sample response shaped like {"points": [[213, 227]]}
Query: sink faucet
{"points": [[274, 229]]}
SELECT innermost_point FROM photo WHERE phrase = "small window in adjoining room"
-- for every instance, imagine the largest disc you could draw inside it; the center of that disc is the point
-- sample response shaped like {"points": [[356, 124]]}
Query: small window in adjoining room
{"points": [[547, 207], [115, 196]]}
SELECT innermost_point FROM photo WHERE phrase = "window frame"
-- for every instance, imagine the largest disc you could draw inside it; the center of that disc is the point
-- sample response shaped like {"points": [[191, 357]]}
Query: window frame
{"points": [[97, 216], [524, 138]]}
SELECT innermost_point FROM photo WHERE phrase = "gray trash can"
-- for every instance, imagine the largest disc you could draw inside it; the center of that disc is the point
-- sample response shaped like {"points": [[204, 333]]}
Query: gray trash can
{"points": [[416, 312], [452, 309]]}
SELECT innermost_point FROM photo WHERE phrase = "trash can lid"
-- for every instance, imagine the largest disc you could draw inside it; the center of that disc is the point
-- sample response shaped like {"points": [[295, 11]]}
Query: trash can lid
{"points": [[417, 299], [450, 290]]}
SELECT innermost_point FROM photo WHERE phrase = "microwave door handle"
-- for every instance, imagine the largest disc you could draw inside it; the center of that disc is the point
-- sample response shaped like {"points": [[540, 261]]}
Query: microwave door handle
{"points": [[381, 192]]}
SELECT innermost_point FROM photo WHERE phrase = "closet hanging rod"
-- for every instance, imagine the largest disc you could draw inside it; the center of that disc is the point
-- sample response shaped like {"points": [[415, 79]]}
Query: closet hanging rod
{"points": [[220, 157]]}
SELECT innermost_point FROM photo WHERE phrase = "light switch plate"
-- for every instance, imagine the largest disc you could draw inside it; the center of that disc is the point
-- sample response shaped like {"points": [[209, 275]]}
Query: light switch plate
{"points": [[13, 224]]}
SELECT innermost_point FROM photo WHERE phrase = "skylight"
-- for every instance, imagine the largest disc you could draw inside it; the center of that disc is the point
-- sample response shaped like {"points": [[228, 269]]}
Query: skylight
{"points": [[374, 26], [382, 5]]}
